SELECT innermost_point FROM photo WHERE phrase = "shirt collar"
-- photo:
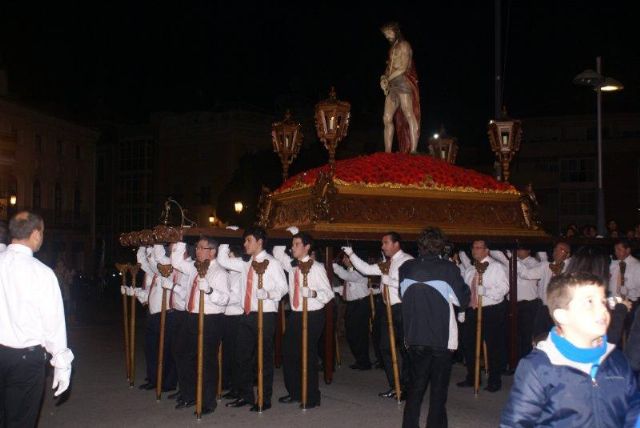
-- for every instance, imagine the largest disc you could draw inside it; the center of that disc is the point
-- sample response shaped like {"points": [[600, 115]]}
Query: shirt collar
{"points": [[20, 248], [305, 259], [397, 255], [260, 256]]}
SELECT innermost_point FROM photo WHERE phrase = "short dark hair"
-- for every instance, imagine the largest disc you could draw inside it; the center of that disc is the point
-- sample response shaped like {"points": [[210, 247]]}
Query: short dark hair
{"points": [[622, 241], [431, 242], [305, 237], [560, 289], [22, 224], [3, 232], [236, 250], [211, 242], [487, 244], [258, 233], [395, 237]]}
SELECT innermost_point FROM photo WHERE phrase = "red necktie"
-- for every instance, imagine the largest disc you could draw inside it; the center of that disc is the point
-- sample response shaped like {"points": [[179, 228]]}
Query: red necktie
{"points": [[296, 288], [247, 294], [474, 291], [153, 282], [174, 284], [344, 291], [192, 296]]}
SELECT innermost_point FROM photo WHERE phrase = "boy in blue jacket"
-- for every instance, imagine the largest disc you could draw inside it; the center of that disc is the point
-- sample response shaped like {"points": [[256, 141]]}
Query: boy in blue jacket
{"points": [[574, 378]]}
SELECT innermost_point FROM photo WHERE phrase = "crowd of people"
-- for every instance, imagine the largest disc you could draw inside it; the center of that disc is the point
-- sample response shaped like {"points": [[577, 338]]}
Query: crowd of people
{"points": [[591, 231], [575, 309]]}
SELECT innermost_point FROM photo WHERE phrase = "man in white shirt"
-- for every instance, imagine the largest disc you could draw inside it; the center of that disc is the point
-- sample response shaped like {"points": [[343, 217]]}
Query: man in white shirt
{"points": [[31, 325], [529, 301], [625, 285], [355, 292], [215, 286], [274, 287], [318, 292], [493, 289], [391, 247]]}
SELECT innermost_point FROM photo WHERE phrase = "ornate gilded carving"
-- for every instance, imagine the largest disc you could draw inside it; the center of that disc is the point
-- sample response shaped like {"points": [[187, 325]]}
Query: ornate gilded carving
{"points": [[264, 208], [323, 193]]}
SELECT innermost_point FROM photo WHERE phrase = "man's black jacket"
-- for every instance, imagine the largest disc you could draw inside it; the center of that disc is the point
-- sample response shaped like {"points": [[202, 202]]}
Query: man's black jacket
{"points": [[425, 310]]}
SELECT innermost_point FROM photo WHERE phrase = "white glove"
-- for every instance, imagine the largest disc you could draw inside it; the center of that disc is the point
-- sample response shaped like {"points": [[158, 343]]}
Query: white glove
{"points": [[481, 290], [307, 292], [232, 227], [203, 285], [61, 380], [131, 291], [542, 255], [142, 295], [166, 283], [461, 317], [219, 298], [508, 253], [293, 230], [123, 289], [262, 294], [348, 251], [624, 291]]}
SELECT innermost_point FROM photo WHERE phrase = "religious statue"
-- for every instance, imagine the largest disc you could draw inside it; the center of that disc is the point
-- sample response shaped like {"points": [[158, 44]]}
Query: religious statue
{"points": [[400, 86]]}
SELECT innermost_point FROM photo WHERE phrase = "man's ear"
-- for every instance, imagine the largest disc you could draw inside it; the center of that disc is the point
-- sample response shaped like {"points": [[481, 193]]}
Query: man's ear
{"points": [[560, 316]]}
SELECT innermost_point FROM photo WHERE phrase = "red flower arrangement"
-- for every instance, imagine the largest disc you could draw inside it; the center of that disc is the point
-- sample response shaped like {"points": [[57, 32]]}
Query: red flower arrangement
{"points": [[400, 170]]}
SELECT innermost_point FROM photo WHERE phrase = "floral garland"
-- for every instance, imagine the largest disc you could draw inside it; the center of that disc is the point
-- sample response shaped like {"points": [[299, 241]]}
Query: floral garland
{"points": [[401, 170]]}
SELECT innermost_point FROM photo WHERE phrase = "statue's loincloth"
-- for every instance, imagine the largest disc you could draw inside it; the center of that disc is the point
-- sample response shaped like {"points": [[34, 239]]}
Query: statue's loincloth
{"points": [[399, 85]]}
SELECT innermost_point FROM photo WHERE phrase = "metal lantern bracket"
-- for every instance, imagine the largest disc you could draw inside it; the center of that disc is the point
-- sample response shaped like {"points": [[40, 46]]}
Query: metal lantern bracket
{"points": [[185, 222]]}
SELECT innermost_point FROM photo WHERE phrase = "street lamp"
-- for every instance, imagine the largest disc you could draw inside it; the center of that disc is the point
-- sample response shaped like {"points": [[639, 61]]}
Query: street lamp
{"points": [[505, 135], [332, 123], [238, 207], [13, 199], [287, 139], [600, 84], [443, 147]]}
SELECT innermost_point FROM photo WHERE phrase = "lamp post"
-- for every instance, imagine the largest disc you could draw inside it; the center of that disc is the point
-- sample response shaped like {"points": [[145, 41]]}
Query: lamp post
{"points": [[505, 135], [599, 83], [287, 139], [332, 123], [443, 147], [238, 206]]}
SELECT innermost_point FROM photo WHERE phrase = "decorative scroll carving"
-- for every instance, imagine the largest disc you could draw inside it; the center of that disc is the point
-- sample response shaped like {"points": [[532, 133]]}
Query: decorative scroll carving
{"points": [[264, 207], [323, 193]]}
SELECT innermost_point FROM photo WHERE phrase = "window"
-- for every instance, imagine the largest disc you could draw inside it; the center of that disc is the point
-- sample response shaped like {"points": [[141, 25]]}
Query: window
{"points": [[577, 202], [37, 195], [581, 170]]}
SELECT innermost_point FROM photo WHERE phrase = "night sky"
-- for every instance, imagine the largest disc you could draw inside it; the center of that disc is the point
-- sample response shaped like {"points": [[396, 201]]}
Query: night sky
{"points": [[122, 60]]}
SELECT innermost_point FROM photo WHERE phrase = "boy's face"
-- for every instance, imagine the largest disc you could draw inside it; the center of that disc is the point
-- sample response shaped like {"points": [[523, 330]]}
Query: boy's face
{"points": [[298, 249], [586, 318]]}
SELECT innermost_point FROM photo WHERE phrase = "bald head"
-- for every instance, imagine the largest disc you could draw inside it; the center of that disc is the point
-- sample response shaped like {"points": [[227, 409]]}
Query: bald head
{"points": [[27, 228]]}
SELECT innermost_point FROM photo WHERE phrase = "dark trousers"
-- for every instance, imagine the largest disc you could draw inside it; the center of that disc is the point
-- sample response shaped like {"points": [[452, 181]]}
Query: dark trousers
{"points": [[151, 344], [427, 366], [322, 340], [247, 354], [21, 385], [493, 326], [377, 326], [230, 367], [385, 346], [188, 367], [527, 310], [357, 329], [292, 355]]}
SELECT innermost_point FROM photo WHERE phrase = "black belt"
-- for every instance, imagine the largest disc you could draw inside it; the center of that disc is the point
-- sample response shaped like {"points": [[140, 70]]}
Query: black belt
{"points": [[21, 350]]}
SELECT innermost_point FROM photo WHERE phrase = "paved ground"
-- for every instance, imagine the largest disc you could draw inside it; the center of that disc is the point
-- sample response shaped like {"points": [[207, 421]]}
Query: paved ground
{"points": [[100, 396]]}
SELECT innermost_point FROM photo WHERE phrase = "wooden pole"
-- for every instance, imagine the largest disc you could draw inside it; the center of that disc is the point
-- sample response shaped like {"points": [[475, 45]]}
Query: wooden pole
{"points": [[123, 269], [163, 322], [133, 269], [260, 268], [200, 368], [480, 269], [392, 344], [338, 356], [305, 267], [372, 307]]}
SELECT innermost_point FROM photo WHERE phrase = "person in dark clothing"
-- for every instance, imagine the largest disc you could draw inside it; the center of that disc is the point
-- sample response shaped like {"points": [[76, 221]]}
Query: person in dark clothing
{"points": [[632, 351], [430, 286]]}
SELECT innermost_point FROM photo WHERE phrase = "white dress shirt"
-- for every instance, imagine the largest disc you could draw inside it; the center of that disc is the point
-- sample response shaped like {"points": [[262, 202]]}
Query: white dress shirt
{"points": [[234, 306], [273, 279], [3, 248], [216, 277], [317, 281], [527, 288], [152, 288], [31, 309], [495, 281], [631, 278], [540, 272], [391, 279], [357, 285]]}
